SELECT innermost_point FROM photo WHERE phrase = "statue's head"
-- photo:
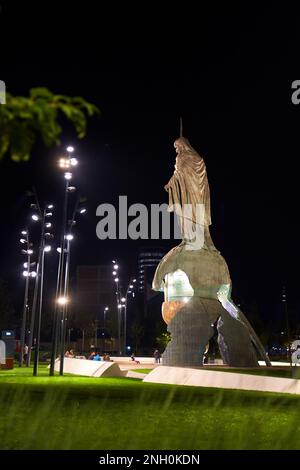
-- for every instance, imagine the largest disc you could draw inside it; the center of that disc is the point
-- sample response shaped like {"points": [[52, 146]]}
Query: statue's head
{"points": [[183, 145]]}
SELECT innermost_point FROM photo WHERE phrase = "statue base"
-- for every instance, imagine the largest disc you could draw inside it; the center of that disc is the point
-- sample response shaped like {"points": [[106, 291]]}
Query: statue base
{"points": [[193, 326]]}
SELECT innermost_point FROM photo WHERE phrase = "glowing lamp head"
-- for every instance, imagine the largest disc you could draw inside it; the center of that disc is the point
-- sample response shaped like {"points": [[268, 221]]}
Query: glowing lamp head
{"points": [[64, 163], [68, 175], [62, 300], [70, 149], [69, 237], [74, 161]]}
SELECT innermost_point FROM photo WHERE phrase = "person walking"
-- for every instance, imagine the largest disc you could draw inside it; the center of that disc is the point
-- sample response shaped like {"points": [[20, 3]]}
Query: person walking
{"points": [[25, 353], [157, 356]]}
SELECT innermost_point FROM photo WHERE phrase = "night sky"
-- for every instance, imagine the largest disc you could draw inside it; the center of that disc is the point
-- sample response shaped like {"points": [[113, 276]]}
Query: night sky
{"points": [[227, 71]]}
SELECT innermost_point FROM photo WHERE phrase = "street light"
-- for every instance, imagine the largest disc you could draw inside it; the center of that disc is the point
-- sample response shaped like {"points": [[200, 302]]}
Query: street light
{"points": [[125, 300], [104, 315], [38, 215], [284, 302], [69, 237], [40, 269], [106, 309], [64, 163], [26, 274], [118, 300], [64, 250], [74, 161]]}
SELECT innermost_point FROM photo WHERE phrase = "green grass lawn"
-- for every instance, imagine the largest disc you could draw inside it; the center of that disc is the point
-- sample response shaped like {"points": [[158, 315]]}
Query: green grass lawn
{"points": [[142, 371], [119, 413]]}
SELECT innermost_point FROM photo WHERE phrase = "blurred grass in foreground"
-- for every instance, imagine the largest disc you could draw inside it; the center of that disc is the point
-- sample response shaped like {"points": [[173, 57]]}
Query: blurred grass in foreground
{"points": [[89, 413]]}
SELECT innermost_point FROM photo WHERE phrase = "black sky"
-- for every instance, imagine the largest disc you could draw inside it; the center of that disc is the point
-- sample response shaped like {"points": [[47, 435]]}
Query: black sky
{"points": [[227, 71]]}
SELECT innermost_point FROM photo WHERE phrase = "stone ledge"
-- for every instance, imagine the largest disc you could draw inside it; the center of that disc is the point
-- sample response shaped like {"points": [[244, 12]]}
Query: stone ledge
{"points": [[227, 380]]}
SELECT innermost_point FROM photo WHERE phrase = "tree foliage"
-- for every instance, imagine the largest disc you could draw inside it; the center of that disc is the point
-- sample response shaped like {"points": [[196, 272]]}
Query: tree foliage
{"points": [[23, 119], [163, 340]]}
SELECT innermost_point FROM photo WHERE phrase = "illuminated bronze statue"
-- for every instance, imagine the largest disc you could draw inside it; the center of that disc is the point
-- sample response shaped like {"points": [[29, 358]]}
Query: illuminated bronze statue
{"points": [[196, 280], [189, 192]]}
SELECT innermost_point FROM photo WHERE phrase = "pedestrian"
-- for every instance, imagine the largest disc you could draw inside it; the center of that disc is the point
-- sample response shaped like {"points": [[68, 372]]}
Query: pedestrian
{"points": [[97, 357], [157, 356], [25, 353], [132, 357]]}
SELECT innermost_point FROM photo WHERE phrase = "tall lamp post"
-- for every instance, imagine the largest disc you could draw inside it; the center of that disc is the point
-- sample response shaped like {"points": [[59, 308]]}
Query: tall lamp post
{"points": [[124, 300], [69, 237], [284, 302], [119, 307], [27, 273], [37, 216], [104, 322], [62, 302], [104, 316], [43, 248], [65, 164]]}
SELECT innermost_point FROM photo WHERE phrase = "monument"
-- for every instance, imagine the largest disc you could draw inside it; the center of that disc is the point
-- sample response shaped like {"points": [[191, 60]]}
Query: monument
{"points": [[195, 278]]}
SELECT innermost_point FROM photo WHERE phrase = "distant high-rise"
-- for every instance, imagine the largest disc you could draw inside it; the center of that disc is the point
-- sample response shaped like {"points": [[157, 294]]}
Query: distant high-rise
{"points": [[148, 259]]}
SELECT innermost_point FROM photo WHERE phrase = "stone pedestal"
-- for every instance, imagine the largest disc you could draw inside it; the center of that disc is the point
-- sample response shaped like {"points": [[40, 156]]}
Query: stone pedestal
{"points": [[192, 327]]}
